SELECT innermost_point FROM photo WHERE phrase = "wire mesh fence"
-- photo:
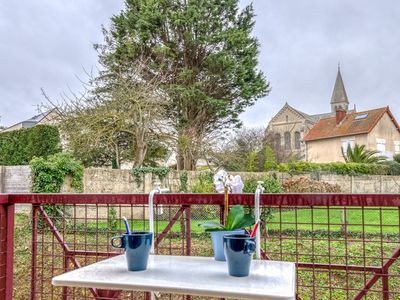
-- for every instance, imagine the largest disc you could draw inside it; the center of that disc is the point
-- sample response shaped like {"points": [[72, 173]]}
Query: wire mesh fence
{"points": [[341, 251]]}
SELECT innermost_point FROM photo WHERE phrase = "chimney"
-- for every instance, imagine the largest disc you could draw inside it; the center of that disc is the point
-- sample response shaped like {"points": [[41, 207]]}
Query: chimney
{"points": [[340, 115]]}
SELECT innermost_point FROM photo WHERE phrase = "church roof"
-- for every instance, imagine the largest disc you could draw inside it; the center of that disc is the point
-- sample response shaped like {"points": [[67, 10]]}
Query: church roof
{"points": [[339, 92], [353, 124]]}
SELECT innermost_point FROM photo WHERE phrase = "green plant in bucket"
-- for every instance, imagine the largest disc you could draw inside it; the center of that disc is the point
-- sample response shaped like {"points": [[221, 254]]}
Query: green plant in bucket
{"points": [[237, 219]]}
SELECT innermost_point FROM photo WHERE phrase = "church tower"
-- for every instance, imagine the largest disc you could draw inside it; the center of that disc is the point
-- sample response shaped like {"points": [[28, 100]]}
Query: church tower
{"points": [[339, 96]]}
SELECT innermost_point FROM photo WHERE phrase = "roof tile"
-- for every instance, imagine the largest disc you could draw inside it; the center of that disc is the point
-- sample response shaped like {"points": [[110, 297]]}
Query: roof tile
{"points": [[327, 127]]}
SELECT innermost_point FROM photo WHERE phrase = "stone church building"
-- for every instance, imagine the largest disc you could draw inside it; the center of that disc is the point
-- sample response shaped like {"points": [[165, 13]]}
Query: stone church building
{"points": [[289, 126]]}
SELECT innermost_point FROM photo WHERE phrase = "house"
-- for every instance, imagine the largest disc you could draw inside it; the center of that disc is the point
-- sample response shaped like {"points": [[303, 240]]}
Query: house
{"points": [[375, 128], [289, 126], [49, 117]]}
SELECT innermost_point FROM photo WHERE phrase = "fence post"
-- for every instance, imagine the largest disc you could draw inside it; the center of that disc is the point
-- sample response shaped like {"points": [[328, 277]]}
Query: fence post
{"points": [[188, 230], [34, 250], [6, 250]]}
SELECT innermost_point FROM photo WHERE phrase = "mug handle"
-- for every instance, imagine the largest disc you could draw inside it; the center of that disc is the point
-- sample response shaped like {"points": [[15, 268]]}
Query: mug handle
{"points": [[121, 243], [249, 247]]}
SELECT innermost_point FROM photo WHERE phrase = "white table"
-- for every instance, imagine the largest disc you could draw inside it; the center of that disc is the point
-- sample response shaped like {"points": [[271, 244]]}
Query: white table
{"points": [[187, 275]]}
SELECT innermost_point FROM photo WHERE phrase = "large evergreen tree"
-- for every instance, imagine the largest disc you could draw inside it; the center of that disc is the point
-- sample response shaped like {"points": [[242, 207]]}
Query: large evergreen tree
{"points": [[205, 54]]}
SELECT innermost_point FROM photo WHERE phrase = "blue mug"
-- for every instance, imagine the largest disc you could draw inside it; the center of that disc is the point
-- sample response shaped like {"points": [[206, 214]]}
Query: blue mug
{"points": [[239, 249], [137, 247]]}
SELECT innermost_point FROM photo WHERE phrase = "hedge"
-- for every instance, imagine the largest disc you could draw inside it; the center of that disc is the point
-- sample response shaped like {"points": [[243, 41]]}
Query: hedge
{"points": [[20, 146], [337, 168]]}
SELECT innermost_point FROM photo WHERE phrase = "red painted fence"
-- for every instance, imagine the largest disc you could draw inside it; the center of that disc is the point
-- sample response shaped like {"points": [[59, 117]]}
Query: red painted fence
{"points": [[345, 246]]}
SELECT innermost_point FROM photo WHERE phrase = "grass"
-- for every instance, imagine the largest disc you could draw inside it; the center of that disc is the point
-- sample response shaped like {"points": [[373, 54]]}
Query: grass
{"points": [[367, 220]]}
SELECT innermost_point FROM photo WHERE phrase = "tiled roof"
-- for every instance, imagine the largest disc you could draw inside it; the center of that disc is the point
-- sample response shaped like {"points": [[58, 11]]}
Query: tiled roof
{"points": [[328, 115], [350, 125]]}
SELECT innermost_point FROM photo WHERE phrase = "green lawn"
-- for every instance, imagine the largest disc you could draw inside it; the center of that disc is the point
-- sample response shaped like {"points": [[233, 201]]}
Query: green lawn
{"points": [[318, 219], [323, 219]]}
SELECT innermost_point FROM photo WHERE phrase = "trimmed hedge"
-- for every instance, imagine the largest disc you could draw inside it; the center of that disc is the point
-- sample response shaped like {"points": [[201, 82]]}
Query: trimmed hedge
{"points": [[20, 146], [340, 168]]}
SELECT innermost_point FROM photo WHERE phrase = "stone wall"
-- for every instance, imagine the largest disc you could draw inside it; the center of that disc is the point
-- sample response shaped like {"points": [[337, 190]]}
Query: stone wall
{"points": [[17, 179]]}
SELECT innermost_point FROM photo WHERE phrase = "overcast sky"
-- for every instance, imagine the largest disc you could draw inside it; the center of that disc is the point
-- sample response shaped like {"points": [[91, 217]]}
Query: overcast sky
{"points": [[47, 43]]}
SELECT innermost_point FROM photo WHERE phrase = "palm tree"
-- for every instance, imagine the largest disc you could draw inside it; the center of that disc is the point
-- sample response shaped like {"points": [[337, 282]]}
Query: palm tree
{"points": [[359, 154]]}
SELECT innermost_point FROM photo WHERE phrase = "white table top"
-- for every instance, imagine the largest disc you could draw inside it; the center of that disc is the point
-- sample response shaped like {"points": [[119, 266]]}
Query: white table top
{"points": [[187, 275]]}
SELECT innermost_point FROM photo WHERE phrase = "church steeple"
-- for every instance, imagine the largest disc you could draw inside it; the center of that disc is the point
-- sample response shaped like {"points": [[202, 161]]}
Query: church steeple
{"points": [[339, 96]]}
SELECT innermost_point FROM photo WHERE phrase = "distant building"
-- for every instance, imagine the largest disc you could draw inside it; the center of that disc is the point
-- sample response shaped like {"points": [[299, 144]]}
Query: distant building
{"points": [[377, 129], [289, 126], [49, 117]]}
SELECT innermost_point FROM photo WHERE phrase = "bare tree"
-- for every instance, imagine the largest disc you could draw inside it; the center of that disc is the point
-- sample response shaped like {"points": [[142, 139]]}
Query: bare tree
{"points": [[233, 152], [117, 116]]}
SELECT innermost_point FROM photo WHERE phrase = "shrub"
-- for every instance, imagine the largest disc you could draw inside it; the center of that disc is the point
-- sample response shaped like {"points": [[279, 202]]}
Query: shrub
{"points": [[183, 182], [20, 146], [271, 184], [340, 168], [270, 162], [396, 158], [139, 172], [251, 162], [394, 167], [204, 183], [48, 173], [307, 185]]}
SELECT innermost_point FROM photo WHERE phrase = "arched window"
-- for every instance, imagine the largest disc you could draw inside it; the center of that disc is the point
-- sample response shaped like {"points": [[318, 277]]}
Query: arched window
{"points": [[288, 141], [277, 141], [297, 140]]}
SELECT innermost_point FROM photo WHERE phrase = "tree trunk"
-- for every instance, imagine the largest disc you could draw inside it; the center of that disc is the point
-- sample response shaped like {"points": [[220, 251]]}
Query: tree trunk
{"points": [[179, 160], [140, 155], [188, 160], [141, 149], [188, 145], [117, 159]]}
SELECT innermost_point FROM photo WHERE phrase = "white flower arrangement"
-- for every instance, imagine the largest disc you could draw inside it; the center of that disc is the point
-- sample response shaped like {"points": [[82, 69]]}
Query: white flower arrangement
{"points": [[225, 183], [223, 179]]}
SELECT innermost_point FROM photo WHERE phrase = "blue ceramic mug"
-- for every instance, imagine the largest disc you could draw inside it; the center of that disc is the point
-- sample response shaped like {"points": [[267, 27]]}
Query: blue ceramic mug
{"points": [[239, 249], [137, 247]]}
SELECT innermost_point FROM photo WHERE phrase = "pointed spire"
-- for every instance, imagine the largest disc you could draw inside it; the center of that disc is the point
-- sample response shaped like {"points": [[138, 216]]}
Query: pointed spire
{"points": [[339, 96]]}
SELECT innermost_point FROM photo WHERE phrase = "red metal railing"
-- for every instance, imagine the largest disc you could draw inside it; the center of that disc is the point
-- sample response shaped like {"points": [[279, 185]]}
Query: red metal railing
{"points": [[345, 246], [6, 247]]}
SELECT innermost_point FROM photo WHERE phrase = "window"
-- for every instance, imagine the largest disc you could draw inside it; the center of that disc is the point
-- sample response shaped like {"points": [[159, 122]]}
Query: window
{"points": [[361, 117], [288, 141], [381, 145], [277, 141], [287, 119], [396, 147], [297, 140], [348, 142]]}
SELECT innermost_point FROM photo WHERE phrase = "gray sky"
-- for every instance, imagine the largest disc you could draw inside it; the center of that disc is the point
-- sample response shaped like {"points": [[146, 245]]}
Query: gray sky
{"points": [[47, 43]]}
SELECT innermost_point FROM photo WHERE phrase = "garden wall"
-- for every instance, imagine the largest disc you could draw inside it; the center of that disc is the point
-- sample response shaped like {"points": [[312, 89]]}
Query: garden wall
{"points": [[16, 179]]}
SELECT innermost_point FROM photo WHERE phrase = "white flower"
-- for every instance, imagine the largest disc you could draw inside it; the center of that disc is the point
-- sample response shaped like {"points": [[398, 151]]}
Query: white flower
{"points": [[237, 185], [222, 179]]}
